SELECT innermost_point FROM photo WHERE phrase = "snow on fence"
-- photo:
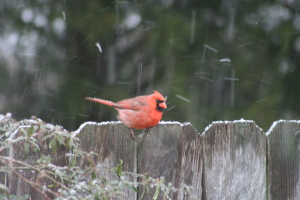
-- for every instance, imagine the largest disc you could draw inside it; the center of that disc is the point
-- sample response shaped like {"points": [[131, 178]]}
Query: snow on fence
{"points": [[229, 160]]}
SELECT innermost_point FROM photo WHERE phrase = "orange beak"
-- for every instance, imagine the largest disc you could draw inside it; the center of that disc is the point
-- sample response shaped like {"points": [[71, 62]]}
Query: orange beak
{"points": [[162, 105]]}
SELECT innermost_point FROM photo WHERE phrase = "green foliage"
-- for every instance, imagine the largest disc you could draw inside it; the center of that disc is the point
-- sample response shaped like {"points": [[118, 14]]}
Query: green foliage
{"points": [[13, 197], [119, 169], [42, 143]]}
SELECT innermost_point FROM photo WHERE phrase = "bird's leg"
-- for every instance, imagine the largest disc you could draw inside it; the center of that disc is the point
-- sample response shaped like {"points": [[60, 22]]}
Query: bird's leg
{"points": [[133, 134], [149, 129]]}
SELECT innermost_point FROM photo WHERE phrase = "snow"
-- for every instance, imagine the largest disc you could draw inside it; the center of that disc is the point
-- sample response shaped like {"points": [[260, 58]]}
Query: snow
{"points": [[187, 123], [8, 115], [176, 122], [273, 126], [226, 122], [243, 120], [64, 15], [171, 107], [247, 121], [93, 123], [170, 122], [12, 136], [183, 98], [279, 121], [211, 48], [215, 122], [225, 60], [118, 122], [32, 121], [99, 47]]}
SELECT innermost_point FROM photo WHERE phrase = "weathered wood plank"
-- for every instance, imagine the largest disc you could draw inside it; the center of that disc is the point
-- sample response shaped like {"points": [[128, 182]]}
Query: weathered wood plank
{"points": [[191, 163], [283, 160], [112, 141], [173, 151], [234, 161], [232, 156]]}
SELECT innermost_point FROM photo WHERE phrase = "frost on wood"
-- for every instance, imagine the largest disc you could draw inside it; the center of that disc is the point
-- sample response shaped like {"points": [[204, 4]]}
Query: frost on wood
{"points": [[174, 151], [234, 161], [283, 160], [171, 150], [280, 121], [93, 123], [227, 161], [112, 142]]}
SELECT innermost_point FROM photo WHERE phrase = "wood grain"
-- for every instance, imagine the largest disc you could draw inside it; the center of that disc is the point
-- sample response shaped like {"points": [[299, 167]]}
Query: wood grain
{"points": [[113, 142], [173, 151], [283, 160], [234, 161]]}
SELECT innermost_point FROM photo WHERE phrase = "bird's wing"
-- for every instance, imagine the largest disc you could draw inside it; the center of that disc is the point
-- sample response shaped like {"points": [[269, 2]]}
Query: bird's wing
{"points": [[137, 103]]}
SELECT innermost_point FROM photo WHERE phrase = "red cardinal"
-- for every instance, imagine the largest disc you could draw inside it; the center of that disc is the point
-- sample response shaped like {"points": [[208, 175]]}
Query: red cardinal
{"points": [[139, 112]]}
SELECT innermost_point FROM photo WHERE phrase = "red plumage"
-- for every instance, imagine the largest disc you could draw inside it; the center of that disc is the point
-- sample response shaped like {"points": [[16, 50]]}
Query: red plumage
{"points": [[139, 112]]}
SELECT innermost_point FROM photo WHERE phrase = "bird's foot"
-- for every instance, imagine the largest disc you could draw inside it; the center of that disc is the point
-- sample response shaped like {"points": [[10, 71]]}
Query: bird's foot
{"points": [[133, 135], [149, 129]]}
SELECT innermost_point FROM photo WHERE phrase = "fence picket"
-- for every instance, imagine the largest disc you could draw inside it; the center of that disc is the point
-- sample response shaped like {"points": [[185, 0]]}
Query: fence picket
{"points": [[229, 160]]}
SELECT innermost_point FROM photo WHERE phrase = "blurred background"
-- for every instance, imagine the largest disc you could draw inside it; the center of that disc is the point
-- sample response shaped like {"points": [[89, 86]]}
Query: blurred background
{"points": [[214, 60]]}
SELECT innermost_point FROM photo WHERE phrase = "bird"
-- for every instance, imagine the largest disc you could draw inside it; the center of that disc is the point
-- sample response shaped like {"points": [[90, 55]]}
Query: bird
{"points": [[141, 112]]}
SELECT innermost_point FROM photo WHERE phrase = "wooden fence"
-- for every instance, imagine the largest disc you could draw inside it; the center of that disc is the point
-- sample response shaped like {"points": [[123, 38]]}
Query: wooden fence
{"points": [[229, 160]]}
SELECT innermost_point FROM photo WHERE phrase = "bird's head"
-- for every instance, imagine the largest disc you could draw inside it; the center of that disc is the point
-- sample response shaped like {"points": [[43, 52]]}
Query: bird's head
{"points": [[160, 101]]}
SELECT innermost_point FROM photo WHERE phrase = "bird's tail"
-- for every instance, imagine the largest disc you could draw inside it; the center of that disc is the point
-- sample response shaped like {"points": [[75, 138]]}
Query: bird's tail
{"points": [[109, 103]]}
